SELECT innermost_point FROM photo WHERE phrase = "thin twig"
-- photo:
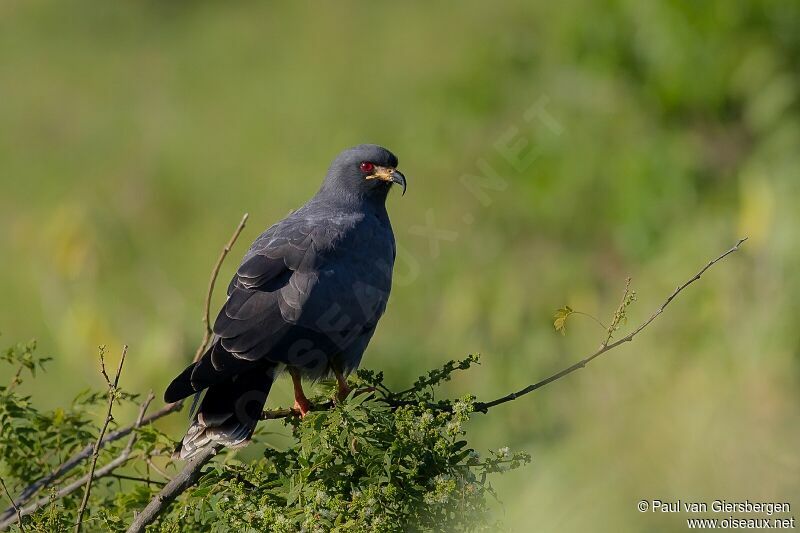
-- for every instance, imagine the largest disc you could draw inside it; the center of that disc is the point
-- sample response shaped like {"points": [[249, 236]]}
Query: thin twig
{"points": [[596, 320], [209, 293], [17, 379], [103, 364], [140, 420], [106, 470], [112, 395], [485, 406], [152, 465], [14, 505], [139, 479]]}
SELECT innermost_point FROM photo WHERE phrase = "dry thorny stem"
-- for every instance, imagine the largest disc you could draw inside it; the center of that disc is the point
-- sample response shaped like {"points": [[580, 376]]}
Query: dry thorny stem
{"points": [[179, 482]]}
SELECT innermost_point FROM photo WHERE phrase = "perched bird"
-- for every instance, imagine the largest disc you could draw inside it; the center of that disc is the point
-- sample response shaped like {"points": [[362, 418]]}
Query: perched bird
{"points": [[305, 300]]}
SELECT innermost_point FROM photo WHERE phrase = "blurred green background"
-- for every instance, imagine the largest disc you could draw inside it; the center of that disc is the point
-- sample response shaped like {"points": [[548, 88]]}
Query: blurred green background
{"points": [[133, 135]]}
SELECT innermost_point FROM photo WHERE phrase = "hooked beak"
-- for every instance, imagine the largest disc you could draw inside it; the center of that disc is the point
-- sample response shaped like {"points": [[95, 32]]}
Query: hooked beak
{"points": [[398, 178], [389, 174]]}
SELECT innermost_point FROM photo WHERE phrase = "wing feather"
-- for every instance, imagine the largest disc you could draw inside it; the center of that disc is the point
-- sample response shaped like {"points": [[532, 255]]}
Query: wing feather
{"points": [[303, 283]]}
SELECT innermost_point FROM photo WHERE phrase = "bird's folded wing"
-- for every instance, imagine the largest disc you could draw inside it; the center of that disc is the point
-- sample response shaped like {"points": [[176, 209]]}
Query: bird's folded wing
{"points": [[266, 296], [291, 292]]}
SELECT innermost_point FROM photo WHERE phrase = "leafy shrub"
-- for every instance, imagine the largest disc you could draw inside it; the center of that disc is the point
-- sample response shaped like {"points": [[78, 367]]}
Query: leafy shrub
{"points": [[380, 461]]}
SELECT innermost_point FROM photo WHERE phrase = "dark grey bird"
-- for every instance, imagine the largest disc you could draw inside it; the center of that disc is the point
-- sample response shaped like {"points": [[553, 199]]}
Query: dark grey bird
{"points": [[305, 300]]}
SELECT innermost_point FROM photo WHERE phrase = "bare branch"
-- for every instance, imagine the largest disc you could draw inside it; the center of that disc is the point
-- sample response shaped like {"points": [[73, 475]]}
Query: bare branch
{"points": [[14, 505], [152, 465], [485, 406], [112, 395], [185, 479], [209, 293], [103, 365], [140, 420]]}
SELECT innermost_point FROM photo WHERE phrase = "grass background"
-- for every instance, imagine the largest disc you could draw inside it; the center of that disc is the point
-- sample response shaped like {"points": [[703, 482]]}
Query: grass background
{"points": [[134, 135]]}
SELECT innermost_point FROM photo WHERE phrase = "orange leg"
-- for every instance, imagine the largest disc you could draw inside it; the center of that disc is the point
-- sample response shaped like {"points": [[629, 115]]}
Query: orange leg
{"points": [[301, 403], [341, 382]]}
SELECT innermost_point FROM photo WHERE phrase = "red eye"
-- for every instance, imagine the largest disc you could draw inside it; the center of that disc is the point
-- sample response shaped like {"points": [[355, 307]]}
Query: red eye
{"points": [[366, 167]]}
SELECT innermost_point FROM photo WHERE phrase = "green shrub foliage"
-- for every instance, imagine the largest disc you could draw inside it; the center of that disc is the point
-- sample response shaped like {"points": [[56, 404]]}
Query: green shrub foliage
{"points": [[379, 461]]}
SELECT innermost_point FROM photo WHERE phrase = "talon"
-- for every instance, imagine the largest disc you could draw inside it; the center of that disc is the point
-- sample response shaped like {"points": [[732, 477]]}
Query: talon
{"points": [[302, 405]]}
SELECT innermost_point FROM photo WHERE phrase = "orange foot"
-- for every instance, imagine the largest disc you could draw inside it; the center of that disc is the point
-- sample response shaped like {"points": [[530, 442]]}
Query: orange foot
{"points": [[303, 405]]}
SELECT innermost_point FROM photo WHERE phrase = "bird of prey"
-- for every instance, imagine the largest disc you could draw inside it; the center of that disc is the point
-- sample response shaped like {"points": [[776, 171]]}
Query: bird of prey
{"points": [[305, 300]]}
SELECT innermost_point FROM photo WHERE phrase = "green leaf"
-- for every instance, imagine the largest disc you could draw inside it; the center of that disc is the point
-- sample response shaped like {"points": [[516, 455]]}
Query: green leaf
{"points": [[560, 319]]}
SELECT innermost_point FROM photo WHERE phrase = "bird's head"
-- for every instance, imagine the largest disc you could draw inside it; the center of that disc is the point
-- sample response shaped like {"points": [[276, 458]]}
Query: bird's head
{"points": [[365, 171]]}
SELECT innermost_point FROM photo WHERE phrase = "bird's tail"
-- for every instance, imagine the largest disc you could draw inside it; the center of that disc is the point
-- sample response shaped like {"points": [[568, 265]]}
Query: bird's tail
{"points": [[228, 413]]}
